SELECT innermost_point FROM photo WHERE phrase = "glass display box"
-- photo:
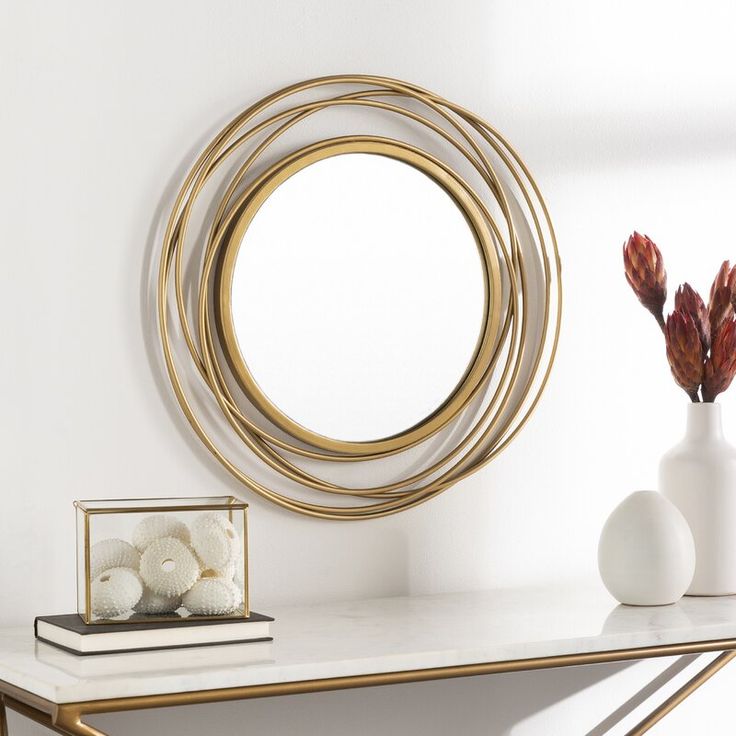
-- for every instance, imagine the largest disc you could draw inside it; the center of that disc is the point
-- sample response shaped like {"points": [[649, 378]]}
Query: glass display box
{"points": [[162, 559]]}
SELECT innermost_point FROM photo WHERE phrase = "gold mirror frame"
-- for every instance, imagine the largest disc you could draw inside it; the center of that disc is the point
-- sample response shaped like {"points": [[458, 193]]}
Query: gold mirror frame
{"points": [[511, 363]]}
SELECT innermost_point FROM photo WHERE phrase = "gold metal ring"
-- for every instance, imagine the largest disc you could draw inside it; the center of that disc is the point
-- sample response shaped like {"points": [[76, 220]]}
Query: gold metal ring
{"points": [[512, 362]]}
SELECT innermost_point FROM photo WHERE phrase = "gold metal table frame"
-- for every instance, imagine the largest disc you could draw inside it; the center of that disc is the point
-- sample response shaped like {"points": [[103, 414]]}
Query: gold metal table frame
{"points": [[66, 718]]}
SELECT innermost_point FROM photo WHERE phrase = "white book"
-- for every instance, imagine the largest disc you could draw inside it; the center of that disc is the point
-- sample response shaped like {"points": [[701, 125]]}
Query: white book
{"points": [[143, 662]]}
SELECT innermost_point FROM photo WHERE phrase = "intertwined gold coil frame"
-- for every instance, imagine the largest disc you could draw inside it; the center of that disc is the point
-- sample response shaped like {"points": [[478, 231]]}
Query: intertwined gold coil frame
{"points": [[506, 365]]}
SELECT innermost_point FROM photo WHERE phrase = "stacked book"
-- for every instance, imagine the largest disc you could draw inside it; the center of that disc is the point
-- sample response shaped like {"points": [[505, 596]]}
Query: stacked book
{"points": [[70, 633]]}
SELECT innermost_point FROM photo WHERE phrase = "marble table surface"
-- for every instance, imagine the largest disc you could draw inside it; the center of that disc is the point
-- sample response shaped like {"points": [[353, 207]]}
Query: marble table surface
{"points": [[374, 636]]}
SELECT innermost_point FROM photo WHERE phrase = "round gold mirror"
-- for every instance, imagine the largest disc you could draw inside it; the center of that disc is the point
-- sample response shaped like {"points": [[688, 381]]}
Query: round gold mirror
{"points": [[386, 303]]}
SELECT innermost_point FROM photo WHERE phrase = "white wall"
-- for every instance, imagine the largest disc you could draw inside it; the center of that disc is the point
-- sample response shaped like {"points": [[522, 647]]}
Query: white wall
{"points": [[625, 113]]}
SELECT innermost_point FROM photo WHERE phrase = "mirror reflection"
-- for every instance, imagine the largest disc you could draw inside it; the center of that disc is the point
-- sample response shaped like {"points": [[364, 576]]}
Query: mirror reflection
{"points": [[358, 296]]}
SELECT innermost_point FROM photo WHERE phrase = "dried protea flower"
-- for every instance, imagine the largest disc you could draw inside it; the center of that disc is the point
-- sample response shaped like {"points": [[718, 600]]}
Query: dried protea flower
{"points": [[684, 352], [688, 300], [645, 273], [720, 367], [719, 309], [726, 276], [721, 296]]}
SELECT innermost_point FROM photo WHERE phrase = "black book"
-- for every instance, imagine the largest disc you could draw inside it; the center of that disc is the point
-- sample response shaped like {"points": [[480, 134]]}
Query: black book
{"points": [[70, 633]]}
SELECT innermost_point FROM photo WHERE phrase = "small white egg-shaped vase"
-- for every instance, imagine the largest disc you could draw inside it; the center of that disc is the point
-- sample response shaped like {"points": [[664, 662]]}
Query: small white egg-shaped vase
{"points": [[646, 553]]}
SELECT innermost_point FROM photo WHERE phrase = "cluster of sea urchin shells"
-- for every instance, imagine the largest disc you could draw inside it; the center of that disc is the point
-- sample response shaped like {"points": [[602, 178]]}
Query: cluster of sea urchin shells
{"points": [[167, 566]]}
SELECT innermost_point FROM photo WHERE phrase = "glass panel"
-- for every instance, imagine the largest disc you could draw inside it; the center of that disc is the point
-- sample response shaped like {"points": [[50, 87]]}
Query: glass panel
{"points": [[106, 504], [163, 559], [81, 579]]}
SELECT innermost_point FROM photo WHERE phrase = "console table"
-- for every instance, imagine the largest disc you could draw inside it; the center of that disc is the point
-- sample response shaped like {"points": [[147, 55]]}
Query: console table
{"points": [[367, 643]]}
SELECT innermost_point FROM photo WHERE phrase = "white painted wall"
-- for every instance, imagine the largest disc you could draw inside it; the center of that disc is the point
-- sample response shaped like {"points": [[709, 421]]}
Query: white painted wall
{"points": [[624, 111]]}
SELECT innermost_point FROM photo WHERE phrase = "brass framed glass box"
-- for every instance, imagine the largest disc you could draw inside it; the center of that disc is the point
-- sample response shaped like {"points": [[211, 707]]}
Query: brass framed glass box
{"points": [[162, 559]]}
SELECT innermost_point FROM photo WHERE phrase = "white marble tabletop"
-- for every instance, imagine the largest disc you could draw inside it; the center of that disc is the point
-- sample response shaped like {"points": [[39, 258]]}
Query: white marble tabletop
{"points": [[373, 636]]}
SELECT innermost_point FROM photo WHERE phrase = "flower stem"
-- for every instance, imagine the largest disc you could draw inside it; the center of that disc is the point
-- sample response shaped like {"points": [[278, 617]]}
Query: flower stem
{"points": [[660, 321]]}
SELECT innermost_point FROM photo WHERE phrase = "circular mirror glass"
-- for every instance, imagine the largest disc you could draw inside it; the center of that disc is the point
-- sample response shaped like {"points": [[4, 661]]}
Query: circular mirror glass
{"points": [[358, 297]]}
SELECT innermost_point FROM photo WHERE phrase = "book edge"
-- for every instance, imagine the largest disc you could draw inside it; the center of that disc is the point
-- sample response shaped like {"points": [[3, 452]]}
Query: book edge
{"points": [[105, 628], [78, 653]]}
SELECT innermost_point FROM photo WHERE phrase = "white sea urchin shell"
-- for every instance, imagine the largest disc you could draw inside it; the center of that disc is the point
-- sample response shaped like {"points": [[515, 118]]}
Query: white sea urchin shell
{"points": [[157, 526], [239, 575], [216, 541], [212, 597], [115, 591], [111, 553], [229, 572], [168, 567], [152, 603]]}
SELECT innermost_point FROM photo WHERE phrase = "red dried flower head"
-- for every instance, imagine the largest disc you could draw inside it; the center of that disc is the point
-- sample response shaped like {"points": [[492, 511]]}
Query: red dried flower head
{"points": [[720, 367], [688, 300], [721, 296], [645, 273], [726, 276], [684, 352]]}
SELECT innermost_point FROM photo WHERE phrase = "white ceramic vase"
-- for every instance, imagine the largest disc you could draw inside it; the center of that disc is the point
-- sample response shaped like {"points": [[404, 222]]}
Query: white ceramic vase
{"points": [[646, 555], [699, 476]]}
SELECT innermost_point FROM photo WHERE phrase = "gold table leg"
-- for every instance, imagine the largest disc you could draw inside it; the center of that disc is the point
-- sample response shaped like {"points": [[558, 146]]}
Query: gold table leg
{"points": [[69, 721], [687, 689], [3, 717], [32, 713]]}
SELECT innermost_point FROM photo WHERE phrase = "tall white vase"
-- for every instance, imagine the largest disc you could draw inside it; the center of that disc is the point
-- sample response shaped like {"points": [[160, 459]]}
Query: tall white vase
{"points": [[699, 476]]}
